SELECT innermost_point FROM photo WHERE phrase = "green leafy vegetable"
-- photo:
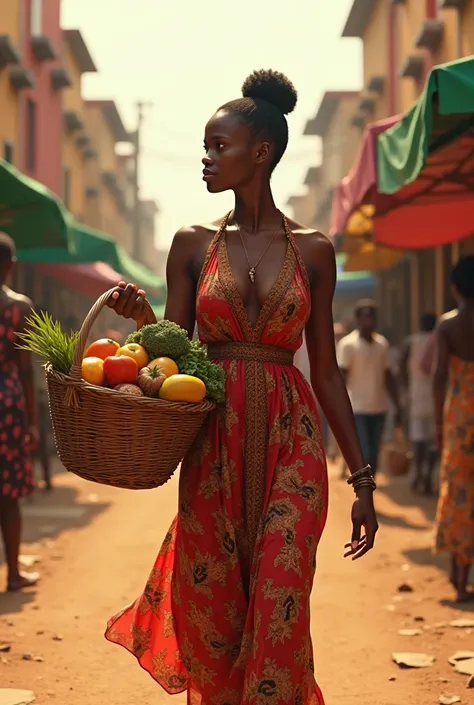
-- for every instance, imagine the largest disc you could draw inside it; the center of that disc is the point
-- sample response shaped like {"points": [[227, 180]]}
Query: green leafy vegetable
{"points": [[197, 364]]}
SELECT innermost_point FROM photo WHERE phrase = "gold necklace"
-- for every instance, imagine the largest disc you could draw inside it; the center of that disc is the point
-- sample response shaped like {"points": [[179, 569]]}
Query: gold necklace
{"points": [[252, 269]]}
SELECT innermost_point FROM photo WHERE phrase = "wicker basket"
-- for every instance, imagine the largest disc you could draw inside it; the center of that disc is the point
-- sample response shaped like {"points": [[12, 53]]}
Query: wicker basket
{"points": [[114, 438], [397, 455]]}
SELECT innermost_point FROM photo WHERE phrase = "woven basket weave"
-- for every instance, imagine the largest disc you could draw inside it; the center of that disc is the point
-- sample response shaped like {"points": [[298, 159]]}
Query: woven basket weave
{"points": [[114, 438]]}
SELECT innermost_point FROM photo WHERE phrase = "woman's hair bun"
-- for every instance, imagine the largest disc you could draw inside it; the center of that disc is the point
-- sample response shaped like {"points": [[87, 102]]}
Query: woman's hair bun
{"points": [[272, 86]]}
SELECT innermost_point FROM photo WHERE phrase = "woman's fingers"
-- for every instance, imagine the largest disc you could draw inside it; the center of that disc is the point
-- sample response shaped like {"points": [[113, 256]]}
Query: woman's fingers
{"points": [[127, 300]]}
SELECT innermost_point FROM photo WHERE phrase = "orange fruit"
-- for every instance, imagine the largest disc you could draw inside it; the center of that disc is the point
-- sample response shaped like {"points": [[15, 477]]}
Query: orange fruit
{"points": [[166, 365], [136, 352], [183, 388], [92, 369]]}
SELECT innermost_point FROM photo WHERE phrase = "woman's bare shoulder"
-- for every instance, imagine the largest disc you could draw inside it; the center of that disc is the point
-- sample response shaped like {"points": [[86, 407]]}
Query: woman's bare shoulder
{"points": [[315, 247], [195, 235]]}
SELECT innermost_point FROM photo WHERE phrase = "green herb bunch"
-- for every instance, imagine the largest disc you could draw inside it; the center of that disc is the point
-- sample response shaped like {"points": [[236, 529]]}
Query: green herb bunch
{"points": [[45, 337]]}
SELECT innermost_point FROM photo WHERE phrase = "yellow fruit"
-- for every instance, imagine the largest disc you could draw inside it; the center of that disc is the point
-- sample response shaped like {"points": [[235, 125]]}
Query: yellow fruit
{"points": [[183, 388], [166, 365], [136, 352], [92, 370]]}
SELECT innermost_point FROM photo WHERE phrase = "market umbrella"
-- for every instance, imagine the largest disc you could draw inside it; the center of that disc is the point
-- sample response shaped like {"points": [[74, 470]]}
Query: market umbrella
{"points": [[425, 165], [32, 215], [353, 207], [94, 246]]}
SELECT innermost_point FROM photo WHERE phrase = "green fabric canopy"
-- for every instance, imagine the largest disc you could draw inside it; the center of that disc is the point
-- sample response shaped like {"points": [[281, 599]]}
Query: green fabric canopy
{"points": [[32, 215], [443, 112], [94, 246]]}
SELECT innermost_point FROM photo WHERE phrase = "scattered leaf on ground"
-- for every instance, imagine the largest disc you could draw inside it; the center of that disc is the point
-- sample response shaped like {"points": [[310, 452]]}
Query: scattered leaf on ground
{"points": [[470, 682], [410, 632], [412, 660], [405, 587], [27, 657], [29, 561], [465, 667], [462, 623], [8, 696], [460, 656], [419, 619], [449, 699], [5, 648]]}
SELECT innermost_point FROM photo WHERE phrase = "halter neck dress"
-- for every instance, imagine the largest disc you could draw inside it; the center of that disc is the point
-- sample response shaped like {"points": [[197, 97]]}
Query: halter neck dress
{"points": [[224, 616]]}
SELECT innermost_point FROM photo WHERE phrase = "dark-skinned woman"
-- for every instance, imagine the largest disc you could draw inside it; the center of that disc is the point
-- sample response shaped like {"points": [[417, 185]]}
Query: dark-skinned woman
{"points": [[225, 613]]}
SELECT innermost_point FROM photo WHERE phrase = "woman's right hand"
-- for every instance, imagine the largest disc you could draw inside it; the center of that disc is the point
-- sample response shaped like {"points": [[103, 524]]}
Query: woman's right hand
{"points": [[128, 301]]}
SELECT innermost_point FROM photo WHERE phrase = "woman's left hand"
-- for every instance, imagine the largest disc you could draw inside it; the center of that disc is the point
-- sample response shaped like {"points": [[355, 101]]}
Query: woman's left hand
{"points": [[363, 516]]}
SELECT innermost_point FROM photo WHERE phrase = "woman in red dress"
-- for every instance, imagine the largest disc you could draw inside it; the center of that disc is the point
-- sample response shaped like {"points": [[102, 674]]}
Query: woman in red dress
{"points": [[225, 613]]}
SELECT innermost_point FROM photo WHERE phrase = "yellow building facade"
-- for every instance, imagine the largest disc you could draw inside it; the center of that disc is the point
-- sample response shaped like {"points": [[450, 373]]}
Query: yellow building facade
{"points": [[10, 62]]}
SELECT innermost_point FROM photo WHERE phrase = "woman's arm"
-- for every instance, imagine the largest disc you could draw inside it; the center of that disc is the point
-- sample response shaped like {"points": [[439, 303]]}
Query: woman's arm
{"points": [[326, 378], [129, 301], [181, 280]]}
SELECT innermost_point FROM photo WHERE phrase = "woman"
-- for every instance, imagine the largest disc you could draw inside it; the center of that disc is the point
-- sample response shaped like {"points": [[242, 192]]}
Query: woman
{"points": [[454, 414], [225, 613], [18, 429]]}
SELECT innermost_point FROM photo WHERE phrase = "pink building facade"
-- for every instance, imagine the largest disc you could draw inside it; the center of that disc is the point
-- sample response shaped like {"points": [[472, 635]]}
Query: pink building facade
{"points": [[41, 107]]}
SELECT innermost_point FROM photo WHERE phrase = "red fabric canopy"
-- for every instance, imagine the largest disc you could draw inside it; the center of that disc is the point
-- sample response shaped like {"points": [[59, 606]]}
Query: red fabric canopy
{"points": [[435, 209], [358, 186], [90, 279]]}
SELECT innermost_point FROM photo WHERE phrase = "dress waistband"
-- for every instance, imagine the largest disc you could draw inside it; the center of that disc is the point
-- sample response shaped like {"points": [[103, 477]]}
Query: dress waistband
{"points": [[250, 352]]}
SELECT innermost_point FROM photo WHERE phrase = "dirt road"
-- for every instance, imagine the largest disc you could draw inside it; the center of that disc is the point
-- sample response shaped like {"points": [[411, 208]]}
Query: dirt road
{"points": [[96, 546]]}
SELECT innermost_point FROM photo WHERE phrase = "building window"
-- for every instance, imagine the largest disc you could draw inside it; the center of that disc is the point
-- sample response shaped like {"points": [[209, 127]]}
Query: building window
{"points": [[8, 151], [30, 135], [36, 17], [66, 186]]}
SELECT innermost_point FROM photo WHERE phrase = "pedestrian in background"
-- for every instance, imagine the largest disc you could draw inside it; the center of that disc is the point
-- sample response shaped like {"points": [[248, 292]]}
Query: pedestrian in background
{"points": [[454, 414], [419, 386], [18, 423], [364, 361]]}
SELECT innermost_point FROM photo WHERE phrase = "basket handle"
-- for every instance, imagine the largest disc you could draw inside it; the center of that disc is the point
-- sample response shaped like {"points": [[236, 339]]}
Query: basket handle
{"points": [[148, 317]]}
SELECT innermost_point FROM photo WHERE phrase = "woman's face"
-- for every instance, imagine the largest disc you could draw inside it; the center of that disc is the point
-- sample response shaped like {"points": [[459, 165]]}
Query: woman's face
{"points": [[232, 155]]}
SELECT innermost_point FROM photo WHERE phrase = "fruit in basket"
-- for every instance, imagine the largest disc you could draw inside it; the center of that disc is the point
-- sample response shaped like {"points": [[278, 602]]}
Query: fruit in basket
{"points": [[166, 365], [92, 370], [129, 389], [102, 348], [120, 369], [183, 388], [136, 352], [150, 381], [197, 364], [162, 339]]}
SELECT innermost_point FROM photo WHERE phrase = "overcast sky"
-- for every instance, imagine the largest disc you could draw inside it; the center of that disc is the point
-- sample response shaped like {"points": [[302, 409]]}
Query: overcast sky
{"points": [[187, 58]]}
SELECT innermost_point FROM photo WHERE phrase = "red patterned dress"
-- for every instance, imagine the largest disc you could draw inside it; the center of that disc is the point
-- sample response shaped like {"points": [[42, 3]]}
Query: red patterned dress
{"points": [[225, 612], [16, 467]]}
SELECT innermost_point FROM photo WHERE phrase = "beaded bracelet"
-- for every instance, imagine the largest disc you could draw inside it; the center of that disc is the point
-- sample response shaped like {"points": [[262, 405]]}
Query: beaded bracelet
{"points": [[363, 472]]}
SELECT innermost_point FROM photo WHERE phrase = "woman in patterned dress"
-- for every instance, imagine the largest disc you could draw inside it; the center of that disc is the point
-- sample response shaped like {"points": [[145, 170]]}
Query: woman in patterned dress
{"points": [[454, 410], [18, 430], [225, 613]]}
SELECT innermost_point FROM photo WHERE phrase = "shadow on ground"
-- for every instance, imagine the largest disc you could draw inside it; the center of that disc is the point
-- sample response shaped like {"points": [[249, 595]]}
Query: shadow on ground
{"points": [[46, 515]]}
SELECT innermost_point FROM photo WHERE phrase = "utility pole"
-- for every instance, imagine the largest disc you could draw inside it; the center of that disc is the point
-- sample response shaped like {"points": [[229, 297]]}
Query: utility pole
{"points": [[137, 245]]}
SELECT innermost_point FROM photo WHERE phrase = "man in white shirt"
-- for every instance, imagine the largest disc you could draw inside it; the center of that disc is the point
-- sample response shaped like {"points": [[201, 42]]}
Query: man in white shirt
{"points": [[364, 361]]}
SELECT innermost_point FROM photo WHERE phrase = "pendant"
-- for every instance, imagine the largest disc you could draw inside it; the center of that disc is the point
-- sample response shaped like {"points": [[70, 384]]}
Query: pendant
{"points": [[252, 274]]}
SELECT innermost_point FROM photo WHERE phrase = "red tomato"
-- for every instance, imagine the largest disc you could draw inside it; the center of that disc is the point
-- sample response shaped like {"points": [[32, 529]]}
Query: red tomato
{"points": [[120, 369], [102, 348]]}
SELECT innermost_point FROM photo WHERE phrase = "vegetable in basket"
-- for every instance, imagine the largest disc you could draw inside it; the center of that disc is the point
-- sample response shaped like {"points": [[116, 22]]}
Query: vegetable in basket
{"points": [[185, 388], [45, 337], [162, 339], [150, 380], [197, 364]]}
